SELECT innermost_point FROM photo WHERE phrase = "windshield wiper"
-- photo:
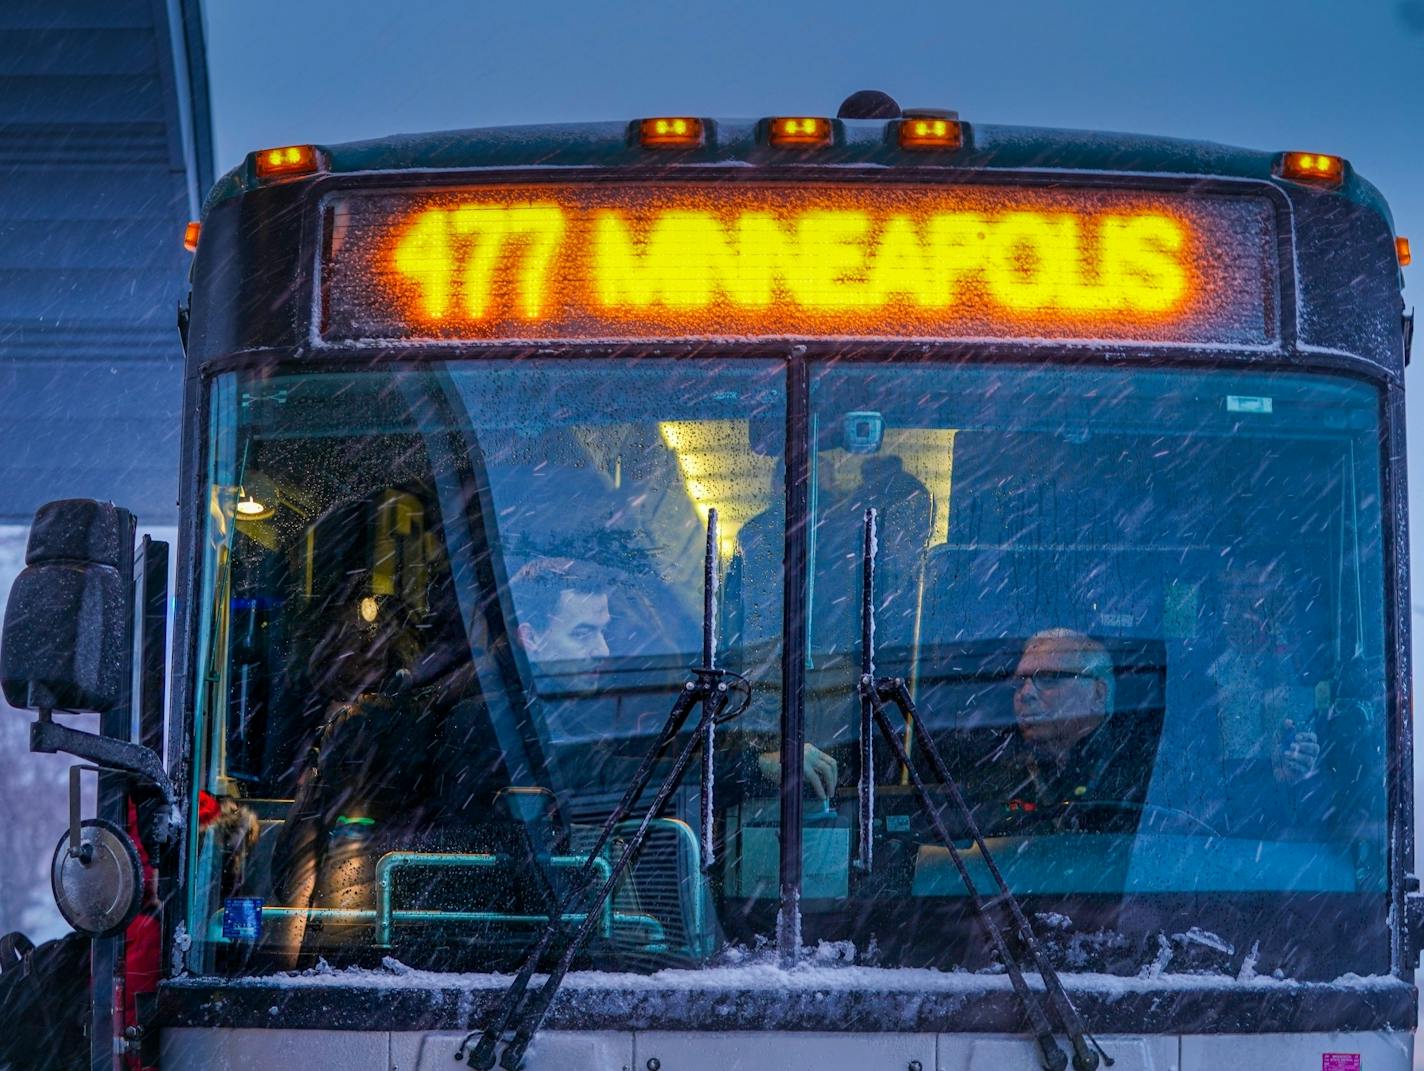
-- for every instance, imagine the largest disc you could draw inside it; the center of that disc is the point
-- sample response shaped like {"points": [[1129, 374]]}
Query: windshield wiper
{"points": [[875, 694], [521, 1013]]}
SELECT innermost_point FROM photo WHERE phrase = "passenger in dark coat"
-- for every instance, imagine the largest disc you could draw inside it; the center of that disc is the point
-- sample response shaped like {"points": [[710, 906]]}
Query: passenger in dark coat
{"points": [[365, 780]]}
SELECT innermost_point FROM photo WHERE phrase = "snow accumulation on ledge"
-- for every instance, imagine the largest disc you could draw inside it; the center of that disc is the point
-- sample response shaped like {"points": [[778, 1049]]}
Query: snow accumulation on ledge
{"points": [[762, 973]]}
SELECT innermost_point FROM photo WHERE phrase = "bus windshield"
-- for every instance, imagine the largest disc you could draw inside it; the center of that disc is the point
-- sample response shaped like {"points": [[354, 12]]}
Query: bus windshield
{"points": [[447, 608]]}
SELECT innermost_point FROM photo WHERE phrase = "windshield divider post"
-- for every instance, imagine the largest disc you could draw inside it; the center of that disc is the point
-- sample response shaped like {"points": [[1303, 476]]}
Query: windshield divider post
{"points": [[800, 479], [876, 693], [866, 813]]}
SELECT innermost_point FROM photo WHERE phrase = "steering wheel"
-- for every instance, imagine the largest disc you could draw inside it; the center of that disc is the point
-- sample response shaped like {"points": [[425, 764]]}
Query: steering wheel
{"points": [[1148, 811]]}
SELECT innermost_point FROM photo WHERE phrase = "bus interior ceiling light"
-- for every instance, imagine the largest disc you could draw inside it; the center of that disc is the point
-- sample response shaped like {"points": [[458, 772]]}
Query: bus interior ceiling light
{"points": [[1313, 167], [287, 161], [671, 132], [931, 131], [256, 497], [190, 235], [249, 508], [800, 132]]}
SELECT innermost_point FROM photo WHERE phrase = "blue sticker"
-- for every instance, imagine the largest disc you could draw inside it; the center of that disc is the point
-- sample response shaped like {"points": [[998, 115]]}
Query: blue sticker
{"points": [[242, 918]]}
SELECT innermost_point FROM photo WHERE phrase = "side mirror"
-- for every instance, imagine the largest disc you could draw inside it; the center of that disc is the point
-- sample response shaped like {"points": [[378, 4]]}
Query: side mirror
{"points": [[98, 883], [96, 874], [66, 635]]}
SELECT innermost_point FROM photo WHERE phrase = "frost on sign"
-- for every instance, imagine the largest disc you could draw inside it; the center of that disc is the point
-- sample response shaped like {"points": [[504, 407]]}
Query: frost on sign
{"points": [[690, 260]]}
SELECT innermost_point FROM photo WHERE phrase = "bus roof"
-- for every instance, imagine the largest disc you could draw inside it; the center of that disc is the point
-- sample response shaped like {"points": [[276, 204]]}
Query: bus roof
{"points": [[860, 143]]}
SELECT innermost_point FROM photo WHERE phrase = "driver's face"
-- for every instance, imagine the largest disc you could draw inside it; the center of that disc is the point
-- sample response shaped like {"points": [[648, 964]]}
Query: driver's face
{"points": [[1055, 702], [575, 634]]}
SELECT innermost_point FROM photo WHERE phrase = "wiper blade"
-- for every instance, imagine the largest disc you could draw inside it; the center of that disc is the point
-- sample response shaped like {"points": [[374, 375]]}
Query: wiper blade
{"points": [[521, 1013], [875, 695]]}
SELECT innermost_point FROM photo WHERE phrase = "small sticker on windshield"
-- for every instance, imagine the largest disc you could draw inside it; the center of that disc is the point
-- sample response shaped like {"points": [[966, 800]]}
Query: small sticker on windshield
{"points": [[242, 918], [1246, 403], [1340, 1061]]}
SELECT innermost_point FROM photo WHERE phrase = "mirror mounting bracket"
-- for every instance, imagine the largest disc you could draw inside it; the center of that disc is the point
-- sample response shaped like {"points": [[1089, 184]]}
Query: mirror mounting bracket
{"points": [[78, 847], [49, 737]]}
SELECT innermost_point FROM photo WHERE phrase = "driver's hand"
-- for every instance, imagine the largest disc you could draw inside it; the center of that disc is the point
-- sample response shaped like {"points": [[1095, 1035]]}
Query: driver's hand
{"points": [[819, 769], [1297, 761]]}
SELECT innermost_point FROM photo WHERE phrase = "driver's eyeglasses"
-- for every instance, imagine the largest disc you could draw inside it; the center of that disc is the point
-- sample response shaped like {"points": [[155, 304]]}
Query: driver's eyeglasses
{"points": [[1044, 679]]}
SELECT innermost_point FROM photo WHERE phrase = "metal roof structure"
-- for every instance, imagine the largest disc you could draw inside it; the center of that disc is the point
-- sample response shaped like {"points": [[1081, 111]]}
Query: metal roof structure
{"points": [[105, 149], [858, 145]]}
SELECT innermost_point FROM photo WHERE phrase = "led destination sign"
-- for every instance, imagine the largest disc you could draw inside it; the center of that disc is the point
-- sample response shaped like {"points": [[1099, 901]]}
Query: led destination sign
{"points": [[741, 260]]}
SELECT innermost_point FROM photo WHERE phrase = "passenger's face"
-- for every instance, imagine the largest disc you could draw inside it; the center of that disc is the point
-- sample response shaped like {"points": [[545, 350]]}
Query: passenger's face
{"points": [[361, 651], [1245, 615], [575, 633], [1055, 702]]}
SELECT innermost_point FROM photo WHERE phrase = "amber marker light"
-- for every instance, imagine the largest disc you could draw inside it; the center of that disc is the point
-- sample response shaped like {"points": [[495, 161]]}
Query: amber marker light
{"points": [[1316, 167], [1401, 250], [288, 161], [675, 132], [930, 132], [800, 132], [190, 236]]}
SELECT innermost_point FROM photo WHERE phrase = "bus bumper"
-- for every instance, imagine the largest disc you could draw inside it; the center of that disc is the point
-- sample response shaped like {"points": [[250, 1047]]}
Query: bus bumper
{"points": [[247, 1049]]}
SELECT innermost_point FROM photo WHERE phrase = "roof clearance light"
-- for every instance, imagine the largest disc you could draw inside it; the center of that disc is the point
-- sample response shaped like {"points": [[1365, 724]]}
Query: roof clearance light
{"points": [[1401, 250], [800, 132], [287, 161], [930, 132], [1315, 167], [677, 132], [190, 236]]}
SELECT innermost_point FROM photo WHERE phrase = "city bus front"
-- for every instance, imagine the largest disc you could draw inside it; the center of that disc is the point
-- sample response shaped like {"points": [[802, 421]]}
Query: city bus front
{"points": [[1132, 445]]}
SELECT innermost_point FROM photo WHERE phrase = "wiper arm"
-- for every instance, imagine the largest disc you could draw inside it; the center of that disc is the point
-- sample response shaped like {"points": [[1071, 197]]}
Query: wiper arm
{"points": [[520, 1013], [875, 694]]}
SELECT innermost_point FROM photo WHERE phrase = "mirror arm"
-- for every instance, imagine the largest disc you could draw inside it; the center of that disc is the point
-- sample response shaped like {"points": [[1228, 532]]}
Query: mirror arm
{"points": [[49, 737]]}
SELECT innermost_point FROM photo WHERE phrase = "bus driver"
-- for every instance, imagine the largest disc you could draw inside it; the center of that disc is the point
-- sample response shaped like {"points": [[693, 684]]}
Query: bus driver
{"points": [[1070, 745], [1067, 746]]}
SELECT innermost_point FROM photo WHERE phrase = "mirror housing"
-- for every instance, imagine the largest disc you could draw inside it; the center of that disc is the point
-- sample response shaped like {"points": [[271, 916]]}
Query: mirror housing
{"points": [[68, 635], [66, 632], [98, 879]]}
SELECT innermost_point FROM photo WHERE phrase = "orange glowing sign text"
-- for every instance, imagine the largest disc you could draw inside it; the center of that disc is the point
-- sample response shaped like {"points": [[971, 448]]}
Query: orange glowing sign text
{"points": [[456, 253], [819, 260], [710, 261]]}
